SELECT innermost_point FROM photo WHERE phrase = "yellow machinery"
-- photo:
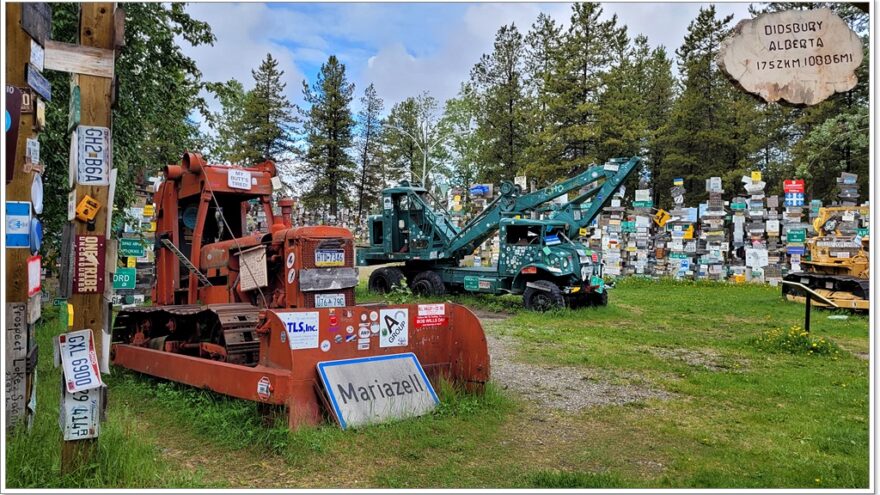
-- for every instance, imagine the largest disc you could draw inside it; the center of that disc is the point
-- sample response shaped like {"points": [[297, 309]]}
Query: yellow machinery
{"points": [[838, 264]]}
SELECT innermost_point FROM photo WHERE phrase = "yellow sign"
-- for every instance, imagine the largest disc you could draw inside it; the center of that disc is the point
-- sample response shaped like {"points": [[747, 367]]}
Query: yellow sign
{"points": [[152, 227], [131, 262], [689, 233], [661, 217], [69, 315], [756, 176], [149, 210], [87, 208], [582, 232]]}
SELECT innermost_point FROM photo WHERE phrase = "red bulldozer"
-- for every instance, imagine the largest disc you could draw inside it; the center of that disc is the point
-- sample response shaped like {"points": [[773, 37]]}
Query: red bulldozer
{"points": [[251, 314]]}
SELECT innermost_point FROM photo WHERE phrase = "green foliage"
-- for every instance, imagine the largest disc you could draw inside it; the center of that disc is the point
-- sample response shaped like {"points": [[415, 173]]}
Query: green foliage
{"points": [[795, 340], [410, 138], [369, 152], [329, 129], [566, 479]]}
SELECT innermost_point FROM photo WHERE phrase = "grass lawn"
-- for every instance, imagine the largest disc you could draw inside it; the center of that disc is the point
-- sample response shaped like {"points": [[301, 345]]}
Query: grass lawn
{"points": [[741, 406]]}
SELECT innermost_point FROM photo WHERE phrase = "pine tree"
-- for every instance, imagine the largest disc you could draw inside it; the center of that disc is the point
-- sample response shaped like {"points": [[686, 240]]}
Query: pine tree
{"points": [[369, 172], [329, 128], [459, 122], [542, 45], [502, 128], [225, 143], [268, 119]]}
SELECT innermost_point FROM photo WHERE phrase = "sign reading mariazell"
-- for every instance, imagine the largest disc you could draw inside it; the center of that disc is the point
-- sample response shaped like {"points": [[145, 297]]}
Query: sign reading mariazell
{"points": [[800, 56]]}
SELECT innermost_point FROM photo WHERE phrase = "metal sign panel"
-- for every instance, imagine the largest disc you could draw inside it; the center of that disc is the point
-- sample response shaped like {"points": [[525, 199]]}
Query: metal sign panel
{"points": [[125, 278], [377, 389], [801, 56], [36, 20], [38, 83], [80, 414], [38, 55], [131, 247], [18, 224], [93, 156], [302, 329], [253, 268], [79, 361], [88, 270]]}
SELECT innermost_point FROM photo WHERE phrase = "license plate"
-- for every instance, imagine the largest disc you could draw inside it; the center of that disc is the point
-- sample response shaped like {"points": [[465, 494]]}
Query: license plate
{"points": [[79, 360], [329, 300], [329, 257]]}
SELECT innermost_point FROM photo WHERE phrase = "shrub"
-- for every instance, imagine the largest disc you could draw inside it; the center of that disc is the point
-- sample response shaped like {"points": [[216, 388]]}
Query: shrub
{"points": [[795, 340]]}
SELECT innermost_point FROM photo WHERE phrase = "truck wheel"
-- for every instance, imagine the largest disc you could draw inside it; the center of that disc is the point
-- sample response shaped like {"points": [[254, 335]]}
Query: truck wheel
{"points": [[428, 283], [541, 299], [383, 280], [599, 299]]}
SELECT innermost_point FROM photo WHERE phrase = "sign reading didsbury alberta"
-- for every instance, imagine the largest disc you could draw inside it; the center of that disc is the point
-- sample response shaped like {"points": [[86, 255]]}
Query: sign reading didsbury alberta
{"points": [[376, 389], [800, 56]]}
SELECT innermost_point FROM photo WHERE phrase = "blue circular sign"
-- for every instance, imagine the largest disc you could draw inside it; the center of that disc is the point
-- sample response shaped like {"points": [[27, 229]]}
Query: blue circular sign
{"points": [[36, 235], [8, 121]]}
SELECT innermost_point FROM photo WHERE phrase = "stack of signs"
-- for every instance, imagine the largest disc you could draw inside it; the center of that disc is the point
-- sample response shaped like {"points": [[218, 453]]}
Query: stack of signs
{"points": [[81, 388], [773, 271], [849, 190], [713, 243], [736, 262], [681, 246], [755, 243], [136, 259], [639, 244], [815, 205], [793, 227], [612, 236]]}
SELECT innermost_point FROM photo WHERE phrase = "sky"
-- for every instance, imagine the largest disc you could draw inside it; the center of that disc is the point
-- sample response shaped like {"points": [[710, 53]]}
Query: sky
{"points": [[402, 48]]}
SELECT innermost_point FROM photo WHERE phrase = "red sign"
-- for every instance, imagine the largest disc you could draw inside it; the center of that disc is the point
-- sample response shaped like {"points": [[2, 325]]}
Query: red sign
{"points": [[88, 265], [34, 269], [793, 186], [431, 315]]}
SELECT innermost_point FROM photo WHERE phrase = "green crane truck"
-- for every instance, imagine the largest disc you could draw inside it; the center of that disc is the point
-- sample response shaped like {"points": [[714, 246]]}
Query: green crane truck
{"points": [[538, 258]]}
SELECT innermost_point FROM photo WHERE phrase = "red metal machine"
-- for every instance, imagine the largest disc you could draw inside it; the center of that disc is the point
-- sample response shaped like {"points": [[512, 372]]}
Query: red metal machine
{"points": [[251, 314]]}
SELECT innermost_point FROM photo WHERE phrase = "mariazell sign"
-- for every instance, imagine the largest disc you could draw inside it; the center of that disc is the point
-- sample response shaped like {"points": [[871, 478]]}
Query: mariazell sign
{"points": [[800, 56]]}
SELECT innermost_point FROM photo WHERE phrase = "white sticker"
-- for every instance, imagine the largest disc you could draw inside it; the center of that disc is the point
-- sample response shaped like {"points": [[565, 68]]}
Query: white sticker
{"points": [[79, 360], [291, 275], [363, 317], [374, 328], [374, 316], [290, 259], [363, 344], [349, 329], [302, 329], [238, 179], [386, 203], [264, 388], [363, 333], [394, 327], [325, 345]]}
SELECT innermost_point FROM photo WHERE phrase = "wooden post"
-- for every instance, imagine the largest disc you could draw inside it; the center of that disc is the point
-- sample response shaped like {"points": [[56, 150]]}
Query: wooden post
{"points": [[18, 52], [96, 30]]}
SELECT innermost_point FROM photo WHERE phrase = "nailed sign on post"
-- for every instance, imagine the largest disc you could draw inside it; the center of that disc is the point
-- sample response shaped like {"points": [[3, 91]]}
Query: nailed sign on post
{"points": [[93, 155], [376, 389], [79, 361], [800, 56], [16, 352], [88, 269]]}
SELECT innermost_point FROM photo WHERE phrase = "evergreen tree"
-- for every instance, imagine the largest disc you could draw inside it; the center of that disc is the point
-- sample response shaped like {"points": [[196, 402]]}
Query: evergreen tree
{"points": [[411, 130], [542, 45], [225, 143], [459, 122], [329, 128], [502, 127], [369, 185], [268, 118]]}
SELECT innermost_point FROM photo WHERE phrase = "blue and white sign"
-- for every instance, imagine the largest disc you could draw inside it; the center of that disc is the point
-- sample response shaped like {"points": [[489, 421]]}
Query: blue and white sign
{"points": [[302, 329], [18, 224], [376, 389], [794, 199]]}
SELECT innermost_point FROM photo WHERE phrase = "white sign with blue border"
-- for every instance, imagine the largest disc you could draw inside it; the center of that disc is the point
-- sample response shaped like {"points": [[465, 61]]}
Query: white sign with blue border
{"points": [[376, 389], [18, 224]]}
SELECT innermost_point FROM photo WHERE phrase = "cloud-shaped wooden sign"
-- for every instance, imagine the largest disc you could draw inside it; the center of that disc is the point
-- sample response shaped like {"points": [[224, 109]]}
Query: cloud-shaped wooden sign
{"points": [[800, 56]]}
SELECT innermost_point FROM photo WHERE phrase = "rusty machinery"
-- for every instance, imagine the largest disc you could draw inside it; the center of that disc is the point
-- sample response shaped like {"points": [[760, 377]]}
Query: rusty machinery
{"points": [[251, 314]]}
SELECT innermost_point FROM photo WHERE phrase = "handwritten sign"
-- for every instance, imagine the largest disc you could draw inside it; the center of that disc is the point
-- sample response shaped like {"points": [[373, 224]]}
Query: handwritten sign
{"points": [[16, 353], [88, 268], [79, 361], [800, 56], [239, 179]]}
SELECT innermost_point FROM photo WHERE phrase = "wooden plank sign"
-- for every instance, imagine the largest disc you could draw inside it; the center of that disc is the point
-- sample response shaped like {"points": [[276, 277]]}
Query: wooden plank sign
{"points": [[93, 155], [79, 59], [88, 270], [36, 20], [38, 83], [16, 354]]}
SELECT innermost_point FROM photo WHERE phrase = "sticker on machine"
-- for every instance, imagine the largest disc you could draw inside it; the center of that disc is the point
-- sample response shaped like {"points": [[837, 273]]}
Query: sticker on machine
{"points": [[264, 388], [302, 329], [394, 331], [431, 315]]}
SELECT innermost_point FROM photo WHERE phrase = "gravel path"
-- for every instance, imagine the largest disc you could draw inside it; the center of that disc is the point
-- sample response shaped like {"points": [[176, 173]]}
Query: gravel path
{"points": [[558, 387]]}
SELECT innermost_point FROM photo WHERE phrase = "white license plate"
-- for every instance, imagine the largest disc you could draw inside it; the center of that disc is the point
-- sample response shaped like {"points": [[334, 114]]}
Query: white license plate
{"points": [[79, 360], [329, 300], [329, 257]]}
